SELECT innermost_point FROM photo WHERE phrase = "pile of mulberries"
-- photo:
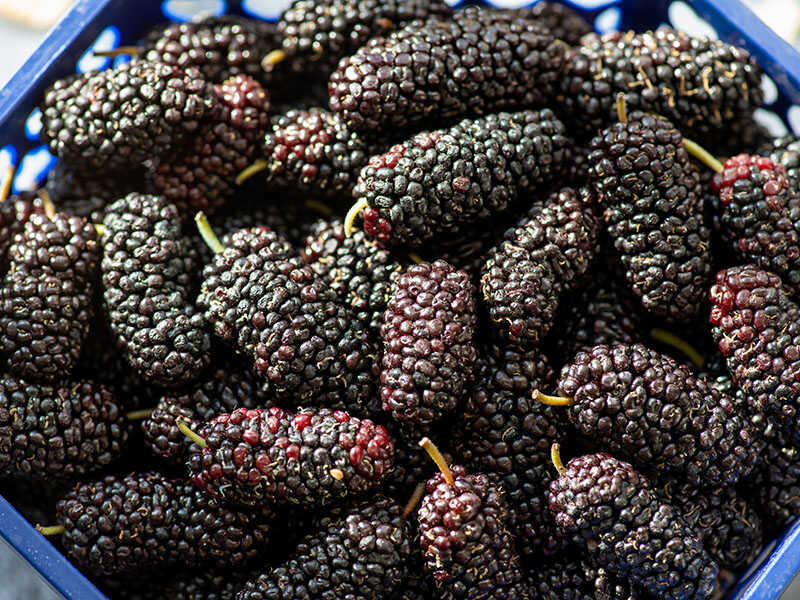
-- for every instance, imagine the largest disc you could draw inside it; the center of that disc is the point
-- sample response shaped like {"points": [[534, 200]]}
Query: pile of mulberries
{"points": [[311, 309]]}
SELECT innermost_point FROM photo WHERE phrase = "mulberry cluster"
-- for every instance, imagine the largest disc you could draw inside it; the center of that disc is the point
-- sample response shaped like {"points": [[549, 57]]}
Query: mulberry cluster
{"points": [[147, 271], [700, 84], [439, 181], [429, 349], [259, 296], [756, 324], [548, 254], [126, 117], [46, 302], [131, 524], [645, 407], [579, 580], [603, 505], [311, 458], [477, 62], [653, 210]]}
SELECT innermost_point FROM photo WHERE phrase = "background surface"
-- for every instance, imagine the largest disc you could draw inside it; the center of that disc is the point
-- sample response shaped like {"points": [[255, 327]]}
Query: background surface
{"points": [[23, 25]]}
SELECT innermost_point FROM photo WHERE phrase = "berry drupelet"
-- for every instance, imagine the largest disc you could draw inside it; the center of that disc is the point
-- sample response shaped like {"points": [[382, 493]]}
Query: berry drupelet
{"points": [[439, 181], [133, 524], [148, 266], [203, 176], [466, 536], [607, 508], [356, 268], [259, 296], [653, 210], [548, 254], [222, 389], [756, 324], [15, 212], [759, 215], [46, 302], [644, 406], [218, 47], [699, 84], [784, 151], [477, 62], [314, 151], [358, 554], [59, 431], [727, 525], [560, 20], [429, 349], [316, 34], [503, 433], [311, 458], [125, 117]]}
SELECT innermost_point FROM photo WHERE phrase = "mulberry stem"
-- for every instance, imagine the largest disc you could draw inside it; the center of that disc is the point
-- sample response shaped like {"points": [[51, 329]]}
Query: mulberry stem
{"points": [[679, 343], [139, 415], [555, 456], [622, 108], [51, 530], [337, 474], [254, 169], [5, 190], [415, 258], [208, 235], [187, 431], [352, 214], [100, 229], [412, 503], [552, 400], [703, 155], [273, 58], [47, 203], [121, 51], [429, 447]]}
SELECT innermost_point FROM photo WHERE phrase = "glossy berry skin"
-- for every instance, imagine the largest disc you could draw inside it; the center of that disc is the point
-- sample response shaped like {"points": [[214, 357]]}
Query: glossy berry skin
{"points": [[361, 553], [59, 432], [47, 302], [466, 536], [124, 117], [756, 324], [698, 83], [147, 269], [646, 407], [478, 62], [607, 508], [560, 20], [428, 335], [143, 521], [548, 254], [312, 458], [261, 298], [652, 204], [203, 175], [438, 182], [760, 215], [570, 578]]}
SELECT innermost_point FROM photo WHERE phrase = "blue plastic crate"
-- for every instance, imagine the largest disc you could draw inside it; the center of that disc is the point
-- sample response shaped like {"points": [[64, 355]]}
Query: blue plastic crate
{"points": [[105, 24]]}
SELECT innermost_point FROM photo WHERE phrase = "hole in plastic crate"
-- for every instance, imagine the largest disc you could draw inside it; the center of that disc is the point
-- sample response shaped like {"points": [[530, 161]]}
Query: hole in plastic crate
{"points": [[33, 125], [592, 4], [510, 3], [770, 90], [266, 9], [186, 10], [8, 157], [771, 121], [33, 169], [107, 40], [608, 20], [683, 17], [793, 117]]}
